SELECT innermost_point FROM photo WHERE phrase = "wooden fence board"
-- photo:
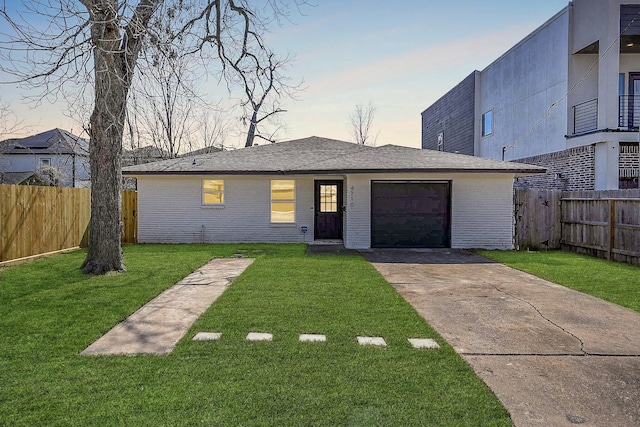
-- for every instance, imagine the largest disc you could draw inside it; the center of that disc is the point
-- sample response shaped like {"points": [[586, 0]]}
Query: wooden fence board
{"points": [[600, 223], [129, 216], [35, 220], [537, 219]]}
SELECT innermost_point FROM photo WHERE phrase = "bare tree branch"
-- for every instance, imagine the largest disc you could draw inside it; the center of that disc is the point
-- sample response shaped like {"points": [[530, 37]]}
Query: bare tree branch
{"points": [[361, 120], [265, 82], [98, 42]]}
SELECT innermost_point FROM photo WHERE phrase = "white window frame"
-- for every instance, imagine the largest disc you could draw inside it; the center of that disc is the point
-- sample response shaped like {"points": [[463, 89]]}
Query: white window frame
{"points": [[203, 192], [45, 162]]}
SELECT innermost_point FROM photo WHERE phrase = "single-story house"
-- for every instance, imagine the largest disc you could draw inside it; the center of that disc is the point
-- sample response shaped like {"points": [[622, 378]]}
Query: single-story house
{"points": [[317, 188]]}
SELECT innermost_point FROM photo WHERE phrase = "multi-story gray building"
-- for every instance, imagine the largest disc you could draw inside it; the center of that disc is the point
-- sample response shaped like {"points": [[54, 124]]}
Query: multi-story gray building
{"points": [[566, 97]]}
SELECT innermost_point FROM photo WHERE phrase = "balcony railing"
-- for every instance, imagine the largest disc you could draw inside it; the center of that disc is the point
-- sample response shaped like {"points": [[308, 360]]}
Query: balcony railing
{"points": [[585, 117], [629, 112]]}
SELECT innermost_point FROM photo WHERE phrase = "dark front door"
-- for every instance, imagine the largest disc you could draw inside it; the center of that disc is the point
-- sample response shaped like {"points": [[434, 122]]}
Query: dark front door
{"points": [[328, 208]]}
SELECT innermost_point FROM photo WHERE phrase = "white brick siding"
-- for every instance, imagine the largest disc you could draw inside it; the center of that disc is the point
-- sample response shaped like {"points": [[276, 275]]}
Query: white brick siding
{"points": [[481, 208], [358, 211], [170, 209], [482, 212]]}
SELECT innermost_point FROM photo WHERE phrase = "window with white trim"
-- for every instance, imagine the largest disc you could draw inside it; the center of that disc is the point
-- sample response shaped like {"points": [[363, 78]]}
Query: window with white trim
{"points": [[45, 163], [212, 192], [283, 201]]}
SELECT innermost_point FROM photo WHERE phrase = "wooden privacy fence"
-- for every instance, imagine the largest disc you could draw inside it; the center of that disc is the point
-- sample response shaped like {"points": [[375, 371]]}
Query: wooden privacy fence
{"points": [[36, 220], [129, 216], [600, 223], [537, 219]]}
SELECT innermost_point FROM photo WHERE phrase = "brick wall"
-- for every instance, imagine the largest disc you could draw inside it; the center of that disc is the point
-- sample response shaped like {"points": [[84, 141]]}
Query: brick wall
{"points": [[629, 160], [453, 117], [572, 169], [629, 165]]}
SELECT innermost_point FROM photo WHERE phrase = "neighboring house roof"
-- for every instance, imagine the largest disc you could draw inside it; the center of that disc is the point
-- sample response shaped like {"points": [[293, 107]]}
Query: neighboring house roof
{"points": [[54, 141], [21, 178], [206, 150], [321, 155]]}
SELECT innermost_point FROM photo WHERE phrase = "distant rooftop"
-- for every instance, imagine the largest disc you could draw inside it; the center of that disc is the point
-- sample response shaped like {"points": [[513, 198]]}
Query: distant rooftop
{"points": [[54, 141]]}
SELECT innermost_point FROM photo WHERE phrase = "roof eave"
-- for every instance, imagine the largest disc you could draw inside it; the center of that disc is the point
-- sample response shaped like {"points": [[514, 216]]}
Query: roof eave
{"points": [[522, 172]]}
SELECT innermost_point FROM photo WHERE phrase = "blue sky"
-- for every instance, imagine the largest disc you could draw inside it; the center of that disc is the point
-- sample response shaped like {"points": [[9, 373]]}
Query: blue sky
{"points": [[402, 56]]}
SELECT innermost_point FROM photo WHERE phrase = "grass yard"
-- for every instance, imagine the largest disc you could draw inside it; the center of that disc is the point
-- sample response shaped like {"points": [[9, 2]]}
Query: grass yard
{"points": [[49, 312], [612, 281]]}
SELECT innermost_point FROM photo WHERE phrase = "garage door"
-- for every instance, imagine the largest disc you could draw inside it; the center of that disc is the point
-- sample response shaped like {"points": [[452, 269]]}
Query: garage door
{"points": [[410, 214]]}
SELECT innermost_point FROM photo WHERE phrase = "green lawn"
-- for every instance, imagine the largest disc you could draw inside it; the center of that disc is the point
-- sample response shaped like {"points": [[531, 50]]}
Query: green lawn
{"points": [[49, 312], [611, 281]]}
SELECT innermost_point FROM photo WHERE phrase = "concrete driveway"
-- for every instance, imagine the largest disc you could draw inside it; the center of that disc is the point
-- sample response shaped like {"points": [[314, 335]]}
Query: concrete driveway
{"points": [[553, 356]]}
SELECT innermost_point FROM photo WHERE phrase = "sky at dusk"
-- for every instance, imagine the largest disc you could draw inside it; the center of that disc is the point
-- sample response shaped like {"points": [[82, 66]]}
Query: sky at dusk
{"points": [[401, 56]]}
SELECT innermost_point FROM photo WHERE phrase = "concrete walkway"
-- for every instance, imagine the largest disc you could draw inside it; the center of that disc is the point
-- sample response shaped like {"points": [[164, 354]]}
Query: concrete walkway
{"points": [[553, 356], [157, 327]]}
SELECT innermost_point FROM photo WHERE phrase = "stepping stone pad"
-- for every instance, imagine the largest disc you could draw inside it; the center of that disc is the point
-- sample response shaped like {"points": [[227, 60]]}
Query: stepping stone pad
{"points": [[207, 336], [377, 341], [423, 343], [259, 336], [312, 338]]}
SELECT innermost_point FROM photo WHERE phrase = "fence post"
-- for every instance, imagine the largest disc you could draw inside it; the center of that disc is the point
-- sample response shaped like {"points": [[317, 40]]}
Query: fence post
{"points": [[612, 211]]}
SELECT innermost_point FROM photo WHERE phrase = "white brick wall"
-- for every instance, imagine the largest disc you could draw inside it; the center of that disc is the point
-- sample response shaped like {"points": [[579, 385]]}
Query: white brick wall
{"points": [[481, 208], [482, 212], [170, 210], [358, 211]]}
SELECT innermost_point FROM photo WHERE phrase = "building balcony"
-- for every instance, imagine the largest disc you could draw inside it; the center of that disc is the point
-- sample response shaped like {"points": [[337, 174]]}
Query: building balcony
{"points": [[585, 117], [629, 112]]}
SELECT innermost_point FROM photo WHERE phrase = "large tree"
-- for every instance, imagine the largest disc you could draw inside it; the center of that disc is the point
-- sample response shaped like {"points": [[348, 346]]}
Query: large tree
{"points": [[98, 42]]}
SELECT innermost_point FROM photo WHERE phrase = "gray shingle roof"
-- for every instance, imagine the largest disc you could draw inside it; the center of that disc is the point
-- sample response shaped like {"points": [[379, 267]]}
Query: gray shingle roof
{"points": [[321, 155], [15, 178], [54, 141]]}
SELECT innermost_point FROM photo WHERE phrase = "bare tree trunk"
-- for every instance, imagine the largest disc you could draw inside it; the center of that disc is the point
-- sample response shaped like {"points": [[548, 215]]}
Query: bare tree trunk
{"points": [[251, 134], [112, 81], [104, 250]]}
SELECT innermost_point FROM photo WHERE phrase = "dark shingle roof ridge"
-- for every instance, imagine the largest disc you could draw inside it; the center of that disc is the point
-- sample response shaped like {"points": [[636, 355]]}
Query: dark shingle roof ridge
{"points": [[358, 147], [65, 143], [76, 143], [282, 157], [163, 165]]}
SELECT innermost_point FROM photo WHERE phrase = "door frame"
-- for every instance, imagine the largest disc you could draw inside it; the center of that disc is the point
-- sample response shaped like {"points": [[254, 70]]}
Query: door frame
{"points": [[316, 204], [632, 101]]}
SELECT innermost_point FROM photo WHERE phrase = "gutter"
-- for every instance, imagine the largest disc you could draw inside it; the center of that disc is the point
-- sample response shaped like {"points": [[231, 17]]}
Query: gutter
{"points": [[336, 172]]}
